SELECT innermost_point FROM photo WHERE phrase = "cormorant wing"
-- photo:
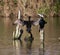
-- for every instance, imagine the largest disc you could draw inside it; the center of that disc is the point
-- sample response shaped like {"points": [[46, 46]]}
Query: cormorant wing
{"points": [[25, 22], [36, 22], [18, 22]]}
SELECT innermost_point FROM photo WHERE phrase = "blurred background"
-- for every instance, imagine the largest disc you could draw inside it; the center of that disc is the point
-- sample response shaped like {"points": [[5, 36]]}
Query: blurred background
{"points": [[9, 13]]}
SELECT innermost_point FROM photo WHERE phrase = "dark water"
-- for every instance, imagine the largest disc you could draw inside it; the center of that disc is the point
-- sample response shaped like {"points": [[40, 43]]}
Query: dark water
{"points": [[51, 39]]}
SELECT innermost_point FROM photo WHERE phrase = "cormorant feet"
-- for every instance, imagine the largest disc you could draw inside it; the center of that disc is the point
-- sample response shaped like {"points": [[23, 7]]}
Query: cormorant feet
{"points": [[29, 38]]}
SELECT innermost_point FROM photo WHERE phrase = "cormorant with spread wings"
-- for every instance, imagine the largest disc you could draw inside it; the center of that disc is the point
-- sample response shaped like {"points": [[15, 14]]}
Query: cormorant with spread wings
{"points": [[41, 22]]}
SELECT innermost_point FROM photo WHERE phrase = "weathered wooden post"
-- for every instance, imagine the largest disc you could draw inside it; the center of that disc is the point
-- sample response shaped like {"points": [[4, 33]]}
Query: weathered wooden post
{"points": [[17, 27], [16, 33]]}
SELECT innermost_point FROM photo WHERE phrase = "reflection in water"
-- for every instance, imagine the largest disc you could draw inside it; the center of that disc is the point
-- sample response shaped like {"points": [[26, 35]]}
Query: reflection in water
{"points": [[42, 42], [42, 37], [18, 45], [28, 46]]}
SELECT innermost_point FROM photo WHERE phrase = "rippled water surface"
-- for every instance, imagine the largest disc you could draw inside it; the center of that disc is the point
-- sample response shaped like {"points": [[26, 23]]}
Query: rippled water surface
{"points": [[51, 39]]}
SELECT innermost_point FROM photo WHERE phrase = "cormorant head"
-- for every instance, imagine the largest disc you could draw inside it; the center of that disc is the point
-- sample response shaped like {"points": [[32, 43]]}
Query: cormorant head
{"points": [[29, 18]]}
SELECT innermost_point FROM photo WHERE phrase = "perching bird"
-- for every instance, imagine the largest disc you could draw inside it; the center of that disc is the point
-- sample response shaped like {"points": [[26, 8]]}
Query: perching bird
{"points": [[41, 22]]}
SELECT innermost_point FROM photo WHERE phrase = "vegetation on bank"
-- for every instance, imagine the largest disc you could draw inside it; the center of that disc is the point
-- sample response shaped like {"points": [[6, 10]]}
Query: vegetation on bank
{"points": [[53, 10], [15, 2], [1, 7], [1, 3], [10, 7], [46, 9]]}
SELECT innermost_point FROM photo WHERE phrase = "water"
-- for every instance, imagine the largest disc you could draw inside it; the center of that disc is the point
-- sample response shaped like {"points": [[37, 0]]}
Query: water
{"points": [[51, 39], [52, 35]]}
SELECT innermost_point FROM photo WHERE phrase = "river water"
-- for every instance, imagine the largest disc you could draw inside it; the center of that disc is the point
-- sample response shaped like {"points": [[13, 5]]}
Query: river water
{"points": [[51, 44]]}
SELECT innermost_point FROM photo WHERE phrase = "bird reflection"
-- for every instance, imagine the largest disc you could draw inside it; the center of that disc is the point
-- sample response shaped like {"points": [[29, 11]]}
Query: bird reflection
{"points": [[29, 46], [28, 41]]}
